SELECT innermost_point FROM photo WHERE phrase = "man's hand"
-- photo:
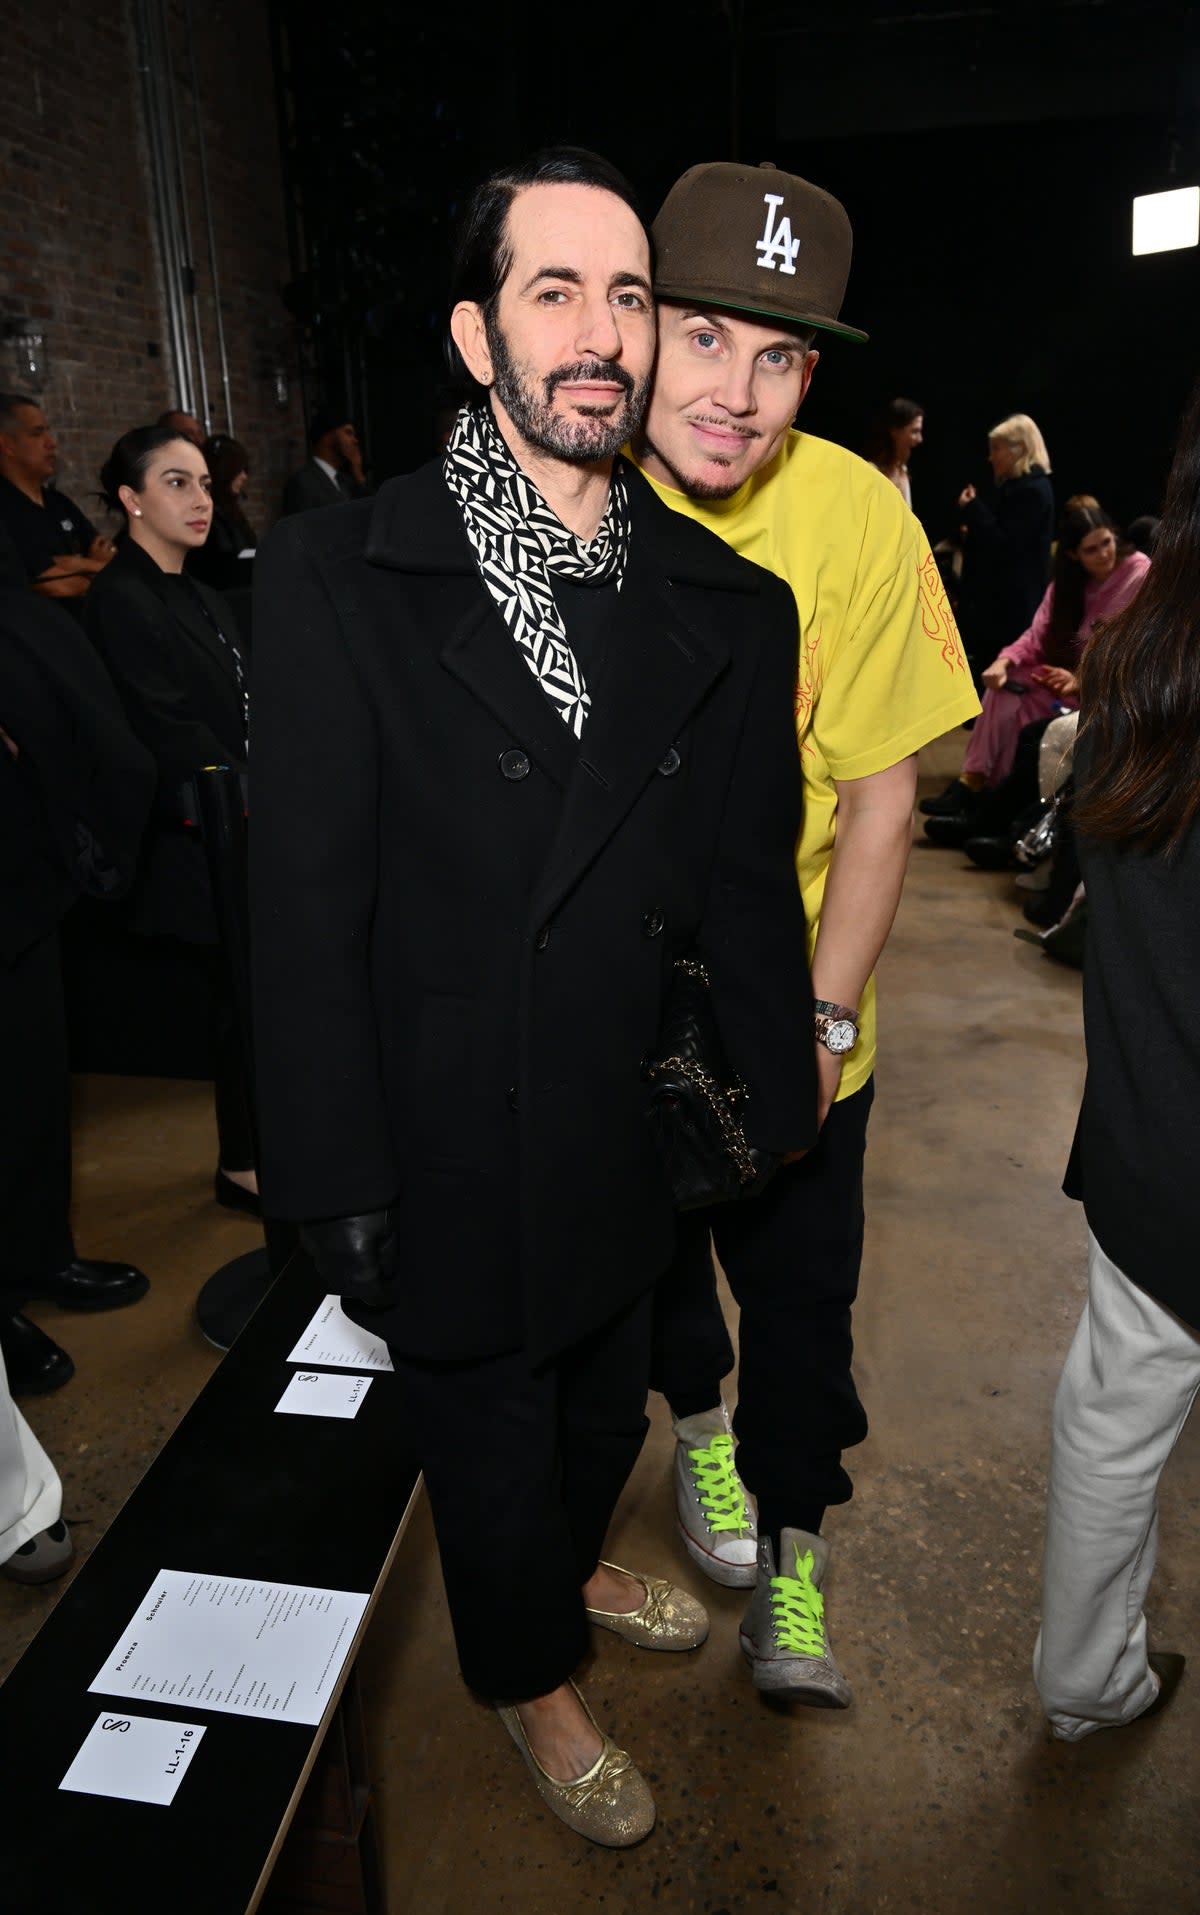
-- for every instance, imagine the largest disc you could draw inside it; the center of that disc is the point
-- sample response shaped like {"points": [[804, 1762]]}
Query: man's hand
{"points": [[966, 495], [357, 1258], [995, 678], [829, 1077], [62, 584], [1057, 679], [101, 550]]}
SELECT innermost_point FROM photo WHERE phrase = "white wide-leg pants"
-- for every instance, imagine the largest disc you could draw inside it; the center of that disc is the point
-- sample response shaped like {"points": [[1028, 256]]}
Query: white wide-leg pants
{"points": [[1126, 1388], [30, 1490]]}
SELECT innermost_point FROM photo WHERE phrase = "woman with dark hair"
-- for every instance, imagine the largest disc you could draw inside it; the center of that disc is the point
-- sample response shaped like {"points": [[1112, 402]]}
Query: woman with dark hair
{"points": [[1094, 579], [896, 431], [1134, 1367], [226, 559], [172, 647]]}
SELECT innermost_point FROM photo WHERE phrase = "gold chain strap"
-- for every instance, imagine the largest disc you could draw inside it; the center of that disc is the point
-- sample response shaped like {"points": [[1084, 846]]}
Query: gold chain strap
{"points": [[720, 1102]]}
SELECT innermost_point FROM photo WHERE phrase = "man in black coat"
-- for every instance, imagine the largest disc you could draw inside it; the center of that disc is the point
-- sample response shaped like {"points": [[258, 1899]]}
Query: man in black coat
{"points": [[75, 788], [522, 738]]}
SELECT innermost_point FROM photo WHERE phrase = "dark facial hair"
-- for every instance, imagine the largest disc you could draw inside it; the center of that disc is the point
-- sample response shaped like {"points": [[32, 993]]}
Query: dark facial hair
{"points": [[598, 434]]}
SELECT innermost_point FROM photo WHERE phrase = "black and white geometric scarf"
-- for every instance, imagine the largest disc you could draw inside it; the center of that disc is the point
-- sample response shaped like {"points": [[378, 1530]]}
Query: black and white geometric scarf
{"points": [[518, 542]]}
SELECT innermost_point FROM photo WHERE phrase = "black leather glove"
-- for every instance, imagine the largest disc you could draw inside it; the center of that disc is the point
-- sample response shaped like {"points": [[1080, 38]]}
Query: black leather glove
{"points": [[357, 1258]]}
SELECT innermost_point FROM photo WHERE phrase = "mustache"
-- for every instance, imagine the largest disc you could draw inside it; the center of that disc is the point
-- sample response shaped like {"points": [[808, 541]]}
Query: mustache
{"points": [[584, 370], [725, 425]]}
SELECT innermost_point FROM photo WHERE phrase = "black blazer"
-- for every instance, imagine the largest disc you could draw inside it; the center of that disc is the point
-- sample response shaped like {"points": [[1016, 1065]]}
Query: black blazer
{"points": [[74, 801], [308, 488], [1006, 561], [463, 921], [178, 685]]}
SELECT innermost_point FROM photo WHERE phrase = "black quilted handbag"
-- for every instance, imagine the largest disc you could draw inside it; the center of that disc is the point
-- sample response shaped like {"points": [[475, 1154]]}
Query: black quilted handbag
{"points": [[695, 1099]]}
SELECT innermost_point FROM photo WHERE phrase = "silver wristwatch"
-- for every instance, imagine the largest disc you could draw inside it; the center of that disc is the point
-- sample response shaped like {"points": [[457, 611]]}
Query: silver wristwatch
{"points": [[836, 1026]]}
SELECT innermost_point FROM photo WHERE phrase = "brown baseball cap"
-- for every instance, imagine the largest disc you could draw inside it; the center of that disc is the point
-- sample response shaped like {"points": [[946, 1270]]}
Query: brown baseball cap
{"points": [[757, 241]]}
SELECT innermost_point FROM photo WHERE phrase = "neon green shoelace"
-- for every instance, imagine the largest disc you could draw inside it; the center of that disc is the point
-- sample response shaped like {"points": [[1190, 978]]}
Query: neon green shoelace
{"points": [[722, 1497], [798, 1610]]}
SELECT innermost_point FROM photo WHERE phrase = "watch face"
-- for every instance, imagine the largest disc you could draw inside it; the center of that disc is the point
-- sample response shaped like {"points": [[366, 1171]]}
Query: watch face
{"points": [[840, 1036]]}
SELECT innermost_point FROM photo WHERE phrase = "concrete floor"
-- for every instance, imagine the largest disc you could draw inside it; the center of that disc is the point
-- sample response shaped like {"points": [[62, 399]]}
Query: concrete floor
{"points": [[938, 1791]]}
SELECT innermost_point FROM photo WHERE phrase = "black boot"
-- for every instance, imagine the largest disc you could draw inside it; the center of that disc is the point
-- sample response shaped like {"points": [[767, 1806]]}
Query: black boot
{"points": [[34, 1362], [944, 803]]}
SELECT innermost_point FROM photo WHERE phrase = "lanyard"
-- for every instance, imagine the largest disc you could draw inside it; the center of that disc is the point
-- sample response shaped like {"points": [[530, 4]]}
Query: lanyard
{"points": [[234, 650]]}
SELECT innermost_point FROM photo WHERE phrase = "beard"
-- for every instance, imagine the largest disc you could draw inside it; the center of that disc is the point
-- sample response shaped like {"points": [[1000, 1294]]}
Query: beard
{"points": [[597, 433]]}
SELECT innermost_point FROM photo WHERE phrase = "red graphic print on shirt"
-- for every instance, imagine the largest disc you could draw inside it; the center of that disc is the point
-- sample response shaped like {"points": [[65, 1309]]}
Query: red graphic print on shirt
{"points": [[808, 684], [937, 619]]}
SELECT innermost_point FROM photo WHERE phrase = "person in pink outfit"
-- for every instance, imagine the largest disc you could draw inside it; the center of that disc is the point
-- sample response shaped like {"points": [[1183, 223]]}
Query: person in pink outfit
{"points": [[1094, 579]]}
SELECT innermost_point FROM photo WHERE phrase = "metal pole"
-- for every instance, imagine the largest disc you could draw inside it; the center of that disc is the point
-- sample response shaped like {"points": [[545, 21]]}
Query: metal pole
{"points": [[214, 275], [189, 281], [175, 330], [177, 264]]}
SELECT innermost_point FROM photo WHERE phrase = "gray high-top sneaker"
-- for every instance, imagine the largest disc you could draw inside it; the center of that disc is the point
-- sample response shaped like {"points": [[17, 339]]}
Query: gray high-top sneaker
{"points": [[784, 1634], [715, 1518]]}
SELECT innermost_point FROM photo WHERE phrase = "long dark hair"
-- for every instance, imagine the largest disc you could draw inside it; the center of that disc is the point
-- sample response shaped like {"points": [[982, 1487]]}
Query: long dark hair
{"points": [[1141, 684], [226, 458], [483, 253], [880, 447], [1071, 581]]}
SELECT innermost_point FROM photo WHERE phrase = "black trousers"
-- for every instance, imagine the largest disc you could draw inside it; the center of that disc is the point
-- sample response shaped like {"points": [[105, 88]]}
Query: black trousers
{"points": [[792, 1258], [235, 1129], [35, 1122], [523, 1470]]}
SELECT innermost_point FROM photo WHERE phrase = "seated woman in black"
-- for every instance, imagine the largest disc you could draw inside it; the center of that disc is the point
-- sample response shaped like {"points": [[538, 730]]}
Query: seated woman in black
{"points": [[226, 558], [172, 647]]}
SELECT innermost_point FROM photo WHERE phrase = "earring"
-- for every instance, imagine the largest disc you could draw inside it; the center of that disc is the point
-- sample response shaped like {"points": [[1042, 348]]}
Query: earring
{"points": [[137, 511]]}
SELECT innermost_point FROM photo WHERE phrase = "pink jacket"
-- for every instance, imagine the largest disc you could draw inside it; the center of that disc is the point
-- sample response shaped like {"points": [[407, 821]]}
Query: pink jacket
{"points": [[1102, 598]]}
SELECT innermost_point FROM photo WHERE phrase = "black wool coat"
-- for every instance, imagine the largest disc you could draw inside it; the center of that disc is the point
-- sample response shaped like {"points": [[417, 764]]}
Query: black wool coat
{"points": [[178, 685], [463, 920], [75, 797], [1006, 561]]}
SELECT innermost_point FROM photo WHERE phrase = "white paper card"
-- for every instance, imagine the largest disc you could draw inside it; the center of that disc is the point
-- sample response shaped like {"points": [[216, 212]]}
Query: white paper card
{"points": [[331, 1339], [244, 1648], [320, 1393], [138, 1758]]}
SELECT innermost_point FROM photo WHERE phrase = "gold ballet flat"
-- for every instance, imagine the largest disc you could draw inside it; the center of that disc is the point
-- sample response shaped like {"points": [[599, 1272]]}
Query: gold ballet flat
{"points": [[610, 1803], [668, 1619]]}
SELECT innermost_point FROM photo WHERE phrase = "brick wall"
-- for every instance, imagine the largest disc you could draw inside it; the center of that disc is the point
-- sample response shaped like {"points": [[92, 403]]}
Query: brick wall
{"points": [[77, 234]]}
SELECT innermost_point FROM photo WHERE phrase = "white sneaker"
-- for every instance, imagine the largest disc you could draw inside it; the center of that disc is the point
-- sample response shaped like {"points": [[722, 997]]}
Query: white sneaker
{"points": [[715, 1518]]}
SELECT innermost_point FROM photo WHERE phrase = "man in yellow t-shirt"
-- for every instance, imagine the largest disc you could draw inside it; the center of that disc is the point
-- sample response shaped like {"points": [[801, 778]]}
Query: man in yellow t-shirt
{"points": [[752, 267]]}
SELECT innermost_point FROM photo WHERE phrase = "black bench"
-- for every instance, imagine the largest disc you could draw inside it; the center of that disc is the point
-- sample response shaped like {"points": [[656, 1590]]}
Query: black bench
{"points": [[243, 1492]]}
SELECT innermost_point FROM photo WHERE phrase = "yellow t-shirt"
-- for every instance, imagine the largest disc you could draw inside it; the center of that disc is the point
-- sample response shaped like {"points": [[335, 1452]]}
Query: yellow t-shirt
{"points": [[882, 669]]}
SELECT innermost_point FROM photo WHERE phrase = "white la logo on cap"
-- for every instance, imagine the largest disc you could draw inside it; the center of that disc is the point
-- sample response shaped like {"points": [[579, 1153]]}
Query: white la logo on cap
{"points": [[777, 248]]}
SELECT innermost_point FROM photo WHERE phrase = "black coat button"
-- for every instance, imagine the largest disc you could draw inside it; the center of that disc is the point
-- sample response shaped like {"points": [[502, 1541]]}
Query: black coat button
{"points": [[653, 923], [670, 764], [512, 1097], [542, 939], [514, 765]]}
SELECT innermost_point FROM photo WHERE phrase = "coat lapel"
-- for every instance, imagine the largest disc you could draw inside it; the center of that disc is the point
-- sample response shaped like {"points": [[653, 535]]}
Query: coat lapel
{"points": [[662, 660], [417, 528], [481, 655], [188, 613], [181, 605], [660, 667]]}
